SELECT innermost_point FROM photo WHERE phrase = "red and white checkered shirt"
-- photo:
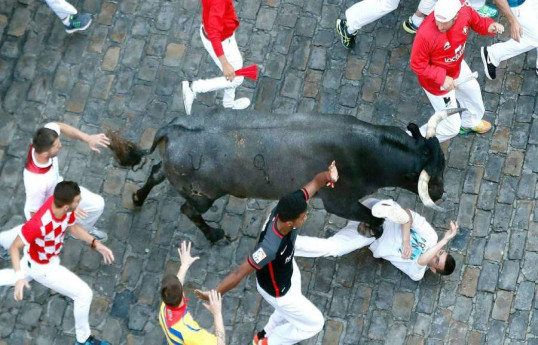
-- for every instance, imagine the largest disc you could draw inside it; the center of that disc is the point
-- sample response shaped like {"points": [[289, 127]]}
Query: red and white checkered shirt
{"points": [[44, 234]]}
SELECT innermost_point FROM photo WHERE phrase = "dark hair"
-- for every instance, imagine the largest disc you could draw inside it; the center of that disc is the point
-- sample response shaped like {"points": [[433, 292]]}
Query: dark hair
{"points": [[171, 290], [291, 206], [450, 266], [43, 139], [65, 192]]}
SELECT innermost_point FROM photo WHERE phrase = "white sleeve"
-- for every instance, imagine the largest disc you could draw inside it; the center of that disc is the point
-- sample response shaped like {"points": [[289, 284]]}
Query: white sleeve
{"points": [[422, 227], [411, 268], [54, 126]]}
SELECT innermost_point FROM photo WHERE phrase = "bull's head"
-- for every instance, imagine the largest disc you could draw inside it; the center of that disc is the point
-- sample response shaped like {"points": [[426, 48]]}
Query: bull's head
{"points": [[431, 176]]}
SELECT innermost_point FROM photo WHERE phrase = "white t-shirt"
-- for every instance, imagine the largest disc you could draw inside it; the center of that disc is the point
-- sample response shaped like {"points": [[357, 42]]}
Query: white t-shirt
{"points": [[389, 245], [40, 179]]}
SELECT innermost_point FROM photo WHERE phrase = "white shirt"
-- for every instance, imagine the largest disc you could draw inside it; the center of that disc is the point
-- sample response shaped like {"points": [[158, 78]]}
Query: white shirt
{"points": [[389, 245], [40, 186]]}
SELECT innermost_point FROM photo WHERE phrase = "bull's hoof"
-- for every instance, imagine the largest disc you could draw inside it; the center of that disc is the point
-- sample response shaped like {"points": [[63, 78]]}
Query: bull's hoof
{"points": [[136, 200], [214, 235]]}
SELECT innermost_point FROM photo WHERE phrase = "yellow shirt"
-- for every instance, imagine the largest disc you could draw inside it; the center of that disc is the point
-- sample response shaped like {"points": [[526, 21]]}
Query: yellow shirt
{"points": [[180, 328]]}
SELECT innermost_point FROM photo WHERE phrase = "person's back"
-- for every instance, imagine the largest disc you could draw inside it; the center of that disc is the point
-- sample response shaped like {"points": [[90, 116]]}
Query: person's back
{"points": [[180, 328]]}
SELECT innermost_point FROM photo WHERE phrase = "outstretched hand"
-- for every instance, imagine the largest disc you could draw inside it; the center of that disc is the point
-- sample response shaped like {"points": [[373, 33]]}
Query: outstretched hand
{"points": [[215, 302], [452, 231], [203, 295], [333, 174], [96, 140], [185, 254], [496, 28]]}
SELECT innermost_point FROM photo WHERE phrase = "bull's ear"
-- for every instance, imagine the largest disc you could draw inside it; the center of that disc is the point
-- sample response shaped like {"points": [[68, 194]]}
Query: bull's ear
{"points": [[415, 131]]}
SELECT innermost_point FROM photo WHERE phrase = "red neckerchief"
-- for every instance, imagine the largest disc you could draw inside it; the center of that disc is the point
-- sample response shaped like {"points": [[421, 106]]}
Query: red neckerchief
{"points": [[173, 315], [32, 167]]}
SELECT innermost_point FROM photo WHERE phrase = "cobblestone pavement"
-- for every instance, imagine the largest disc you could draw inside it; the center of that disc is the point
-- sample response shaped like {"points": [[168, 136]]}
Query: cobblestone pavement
{"points": [[125, 72]]}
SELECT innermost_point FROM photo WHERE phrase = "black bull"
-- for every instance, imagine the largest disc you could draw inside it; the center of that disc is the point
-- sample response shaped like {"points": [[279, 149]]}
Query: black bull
{"points": [[252, 154]]}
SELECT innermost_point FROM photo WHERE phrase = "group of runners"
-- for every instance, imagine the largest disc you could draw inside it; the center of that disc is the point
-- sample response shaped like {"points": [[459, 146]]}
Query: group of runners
{"points": [[54, 207]]}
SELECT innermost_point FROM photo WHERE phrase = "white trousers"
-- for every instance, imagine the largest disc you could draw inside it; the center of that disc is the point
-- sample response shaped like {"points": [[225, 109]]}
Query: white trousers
{"points": [[295, 318], [368, 11], [92, 203], [233, 55], [527, 16], [469, 96], [62, 8], [60, 279]]}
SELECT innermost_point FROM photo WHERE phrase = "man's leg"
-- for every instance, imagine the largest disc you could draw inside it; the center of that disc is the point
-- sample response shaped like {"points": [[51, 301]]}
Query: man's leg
{"points": [[65, 282], [448, 128], [302, 319], [8, 277], [343, 242], [93, 204], [470, 97], [368, 11], [7, 237], [68, 15]]}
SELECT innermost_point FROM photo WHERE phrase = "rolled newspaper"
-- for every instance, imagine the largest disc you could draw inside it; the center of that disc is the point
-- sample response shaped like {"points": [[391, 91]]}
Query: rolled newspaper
{"points": [[464, 79]]}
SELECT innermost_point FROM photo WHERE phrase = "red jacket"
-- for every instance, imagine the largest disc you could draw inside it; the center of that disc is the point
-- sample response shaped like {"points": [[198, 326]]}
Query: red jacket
{"points": [[220, 21], [436, 55]]}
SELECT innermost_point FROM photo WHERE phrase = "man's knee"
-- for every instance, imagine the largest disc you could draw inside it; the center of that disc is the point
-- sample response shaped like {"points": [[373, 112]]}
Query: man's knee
{"points": [[84, 294], [237, 81], [317, 322]]}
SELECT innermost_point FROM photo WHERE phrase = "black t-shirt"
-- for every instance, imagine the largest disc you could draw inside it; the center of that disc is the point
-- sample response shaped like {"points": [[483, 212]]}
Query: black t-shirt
{"points": [[273, 256]]}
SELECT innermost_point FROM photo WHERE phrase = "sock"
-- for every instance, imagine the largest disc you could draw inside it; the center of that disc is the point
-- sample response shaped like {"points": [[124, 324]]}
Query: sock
{"points": [[349, 31], [66, 20], [417, 20], [261, 334]]}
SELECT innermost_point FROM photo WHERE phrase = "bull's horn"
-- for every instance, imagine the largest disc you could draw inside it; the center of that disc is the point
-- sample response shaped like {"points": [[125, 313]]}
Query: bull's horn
{"points": [[423, 193], [438, 117]]}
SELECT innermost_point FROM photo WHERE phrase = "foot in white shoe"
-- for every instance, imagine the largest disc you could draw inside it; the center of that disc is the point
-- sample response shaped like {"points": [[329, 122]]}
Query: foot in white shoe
{"points": [[188, 97], [390, 210], [239, 104]]}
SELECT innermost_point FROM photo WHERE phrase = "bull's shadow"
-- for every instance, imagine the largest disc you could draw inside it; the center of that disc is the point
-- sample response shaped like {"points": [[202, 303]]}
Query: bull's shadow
{"points": [[207, 156]]}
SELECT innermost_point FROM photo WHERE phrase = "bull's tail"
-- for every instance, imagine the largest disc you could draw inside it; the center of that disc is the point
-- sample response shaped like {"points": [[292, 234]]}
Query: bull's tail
{"points": [[129, 154]]}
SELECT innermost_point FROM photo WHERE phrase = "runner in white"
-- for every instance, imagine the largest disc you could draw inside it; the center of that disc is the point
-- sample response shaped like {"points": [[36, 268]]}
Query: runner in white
{"points": [[42, 238], [522, 16], [409, 242], [42, 174]]}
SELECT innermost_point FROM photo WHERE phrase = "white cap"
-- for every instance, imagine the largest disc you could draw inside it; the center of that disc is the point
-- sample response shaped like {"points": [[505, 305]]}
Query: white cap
{"points": [[446, 10]]}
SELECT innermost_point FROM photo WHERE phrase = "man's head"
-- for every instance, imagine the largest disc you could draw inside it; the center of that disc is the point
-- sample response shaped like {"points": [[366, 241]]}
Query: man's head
{"points": [[445, 13], [171, 291], [67, 195], [443, 263], [46, 141], [291, 209]]}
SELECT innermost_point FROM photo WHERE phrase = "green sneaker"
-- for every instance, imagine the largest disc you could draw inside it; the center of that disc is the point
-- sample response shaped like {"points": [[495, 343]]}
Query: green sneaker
{"points": [[488, 11], [348, 40], [78, 22]]}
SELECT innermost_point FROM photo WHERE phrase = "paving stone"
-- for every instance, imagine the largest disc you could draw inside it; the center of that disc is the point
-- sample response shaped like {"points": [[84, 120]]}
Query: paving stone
{"points": [[517, 245], [291, 87], [488, 276], [507, 192], [317, 58], [333, 331], [440, 323], [509, 274], [530, 164], [102, 86], [495, 333], [469, 282], [481, 224], [111, 58], [493, 168], [518, 325], [501, 221], [370, 89], [98, 39], [148, 69], [354, 68], [379, 324], [524, 296], [10, 49], [520, 136], [79, 95], [514, 163], [361, 301], [482, 310], [532, 240], [266, 18], [120, 306], [466, 210], [402, 305], [522, 214], [475, 253], [473, 179], [39, 89], [479, 151], [131, 56], [19, 22], [486, 198], [25, 68], [527, 186], [108, 9], [530, 267], [501, 308], [306, 26], [499, 143], [495, 247]]}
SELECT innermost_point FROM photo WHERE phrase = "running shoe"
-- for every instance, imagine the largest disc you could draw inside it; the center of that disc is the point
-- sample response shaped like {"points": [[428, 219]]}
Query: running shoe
{"points": [[483, 127], [348, 40], [489, 67], [78, 22], [409, 27], [390, 210]]}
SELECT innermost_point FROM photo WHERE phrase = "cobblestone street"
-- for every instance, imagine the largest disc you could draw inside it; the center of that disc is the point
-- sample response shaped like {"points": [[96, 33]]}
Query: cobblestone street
{"points": [[125, 73]]}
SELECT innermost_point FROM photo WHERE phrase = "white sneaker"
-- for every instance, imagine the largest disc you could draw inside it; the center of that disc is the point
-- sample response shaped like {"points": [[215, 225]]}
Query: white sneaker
{"points": [[390, 210], [239, 104], [100, 235], [188, 96]]}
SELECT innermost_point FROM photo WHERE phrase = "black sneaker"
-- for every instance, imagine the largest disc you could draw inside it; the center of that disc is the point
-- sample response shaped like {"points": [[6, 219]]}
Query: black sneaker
{"points": [[78, 22], [348, 40], [93, 341], [409, 27], [489, 68]]}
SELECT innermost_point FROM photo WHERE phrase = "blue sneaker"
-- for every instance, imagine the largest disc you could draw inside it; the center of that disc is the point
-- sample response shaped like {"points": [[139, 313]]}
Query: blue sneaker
{"points": [[93, 341], [78, 22]]}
